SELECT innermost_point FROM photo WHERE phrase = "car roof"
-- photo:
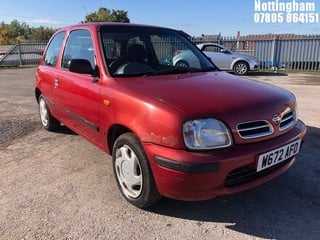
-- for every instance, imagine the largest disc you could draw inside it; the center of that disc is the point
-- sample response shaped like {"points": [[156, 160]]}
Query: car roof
{"points": [[97, 25]]}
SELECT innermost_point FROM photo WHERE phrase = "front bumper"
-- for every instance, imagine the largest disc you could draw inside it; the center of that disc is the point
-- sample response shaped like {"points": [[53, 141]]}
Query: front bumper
{"points": [[254, 66], [185, 175]]}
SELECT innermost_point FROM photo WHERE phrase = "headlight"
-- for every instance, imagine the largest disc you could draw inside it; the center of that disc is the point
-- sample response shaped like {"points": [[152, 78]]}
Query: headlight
{"points": [[204, 134]]}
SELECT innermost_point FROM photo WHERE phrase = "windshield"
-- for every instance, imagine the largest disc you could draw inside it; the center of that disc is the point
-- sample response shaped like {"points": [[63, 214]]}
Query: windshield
{"points": [[137, 50]]}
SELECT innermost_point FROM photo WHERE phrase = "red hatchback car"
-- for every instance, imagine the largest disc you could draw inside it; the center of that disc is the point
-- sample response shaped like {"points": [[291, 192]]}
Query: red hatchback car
{"points": [[181, 132]]}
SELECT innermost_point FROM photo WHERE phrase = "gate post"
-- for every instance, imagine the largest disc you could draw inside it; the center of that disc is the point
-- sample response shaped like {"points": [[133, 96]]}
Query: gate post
{"points": [[19, 52], [276, 53]]}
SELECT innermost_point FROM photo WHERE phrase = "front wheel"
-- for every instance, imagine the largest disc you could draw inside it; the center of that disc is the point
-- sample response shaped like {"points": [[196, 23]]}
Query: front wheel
{"points": [[47, 120], [241, 68], [182, 64], [133, 173]]}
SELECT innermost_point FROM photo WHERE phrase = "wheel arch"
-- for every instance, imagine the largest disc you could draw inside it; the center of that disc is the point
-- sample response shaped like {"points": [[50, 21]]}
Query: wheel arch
{"points": [[241, 61], [184, 61], [113, 133], [37, 93], [238, 61]]}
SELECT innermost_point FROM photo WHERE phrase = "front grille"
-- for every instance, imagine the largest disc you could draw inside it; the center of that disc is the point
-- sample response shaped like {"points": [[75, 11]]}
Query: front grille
{"points": [[287, 121], [248, 173], [254, 129]]}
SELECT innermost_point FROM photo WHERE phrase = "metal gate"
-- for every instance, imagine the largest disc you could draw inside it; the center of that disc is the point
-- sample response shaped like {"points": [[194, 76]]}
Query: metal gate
{"points": [[23, 53]]}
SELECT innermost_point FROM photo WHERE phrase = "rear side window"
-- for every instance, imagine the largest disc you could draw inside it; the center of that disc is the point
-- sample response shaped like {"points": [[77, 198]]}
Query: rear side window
{"points": [[53, 50]]}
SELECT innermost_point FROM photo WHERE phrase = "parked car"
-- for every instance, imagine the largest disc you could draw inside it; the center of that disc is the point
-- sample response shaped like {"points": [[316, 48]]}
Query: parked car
{"points": [[185, 133], [222, 57]]}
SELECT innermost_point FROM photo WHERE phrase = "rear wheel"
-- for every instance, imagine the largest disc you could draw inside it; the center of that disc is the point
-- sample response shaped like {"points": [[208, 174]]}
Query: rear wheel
{"points": [[241, 68], [47, 120], [133, 173]]}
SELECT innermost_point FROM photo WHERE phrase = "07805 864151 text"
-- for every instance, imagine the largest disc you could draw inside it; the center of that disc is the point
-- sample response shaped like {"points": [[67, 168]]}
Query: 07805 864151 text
{"points": [[280, 17]]}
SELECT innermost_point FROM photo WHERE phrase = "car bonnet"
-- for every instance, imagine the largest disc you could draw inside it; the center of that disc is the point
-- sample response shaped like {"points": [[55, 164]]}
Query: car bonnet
{"points": [[214, 94]]}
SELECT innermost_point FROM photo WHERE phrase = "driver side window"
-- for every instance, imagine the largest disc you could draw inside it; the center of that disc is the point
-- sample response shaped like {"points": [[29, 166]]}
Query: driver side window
{"points": [[79, 46]]}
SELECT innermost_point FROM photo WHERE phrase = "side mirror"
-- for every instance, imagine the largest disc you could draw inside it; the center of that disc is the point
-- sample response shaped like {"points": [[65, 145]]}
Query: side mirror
{"points": [[82, 66], [224, 51]]}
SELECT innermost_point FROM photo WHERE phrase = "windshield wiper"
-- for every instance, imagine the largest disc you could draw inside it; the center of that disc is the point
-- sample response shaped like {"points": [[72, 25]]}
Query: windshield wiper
{"points": [[140, 74], [208, 69], [174, 70]]}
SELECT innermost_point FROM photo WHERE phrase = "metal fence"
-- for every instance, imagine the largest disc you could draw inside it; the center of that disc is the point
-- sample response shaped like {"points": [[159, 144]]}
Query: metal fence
{"points": [[276, 53], [23, 53], [301, 54], [287, 54]]}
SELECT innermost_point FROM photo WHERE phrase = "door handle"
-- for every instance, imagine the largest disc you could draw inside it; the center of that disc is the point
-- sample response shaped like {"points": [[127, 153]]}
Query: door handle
{"points": [[56, 82]]}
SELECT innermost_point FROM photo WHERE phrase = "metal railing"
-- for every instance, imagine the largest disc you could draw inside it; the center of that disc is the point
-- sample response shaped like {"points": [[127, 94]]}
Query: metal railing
{"points": [[276, 53], [295, 54], [287, 54], [23, 53]]}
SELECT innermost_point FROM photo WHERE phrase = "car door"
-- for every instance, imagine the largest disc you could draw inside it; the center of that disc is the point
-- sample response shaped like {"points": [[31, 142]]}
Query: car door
{"points": [[47, 70], [77, 94], [220, 56]]}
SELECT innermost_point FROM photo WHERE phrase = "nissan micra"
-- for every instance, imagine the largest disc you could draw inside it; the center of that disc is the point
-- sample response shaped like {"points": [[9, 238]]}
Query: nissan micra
{"points": [[188, 133]]}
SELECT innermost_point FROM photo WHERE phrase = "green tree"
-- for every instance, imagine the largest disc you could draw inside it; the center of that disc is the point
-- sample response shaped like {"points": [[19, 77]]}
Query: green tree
{"points": [[105, 15], [42, 33], [6, 37], [120, 16], [11, 33], [15, 31], [20, 31]]}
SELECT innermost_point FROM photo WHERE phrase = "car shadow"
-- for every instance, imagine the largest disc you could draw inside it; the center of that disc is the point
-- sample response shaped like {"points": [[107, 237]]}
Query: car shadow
{"points": [[65, 130], [285, 208]]}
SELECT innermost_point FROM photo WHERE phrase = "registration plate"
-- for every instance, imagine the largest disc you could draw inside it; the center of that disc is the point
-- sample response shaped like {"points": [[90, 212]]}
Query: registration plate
{"points": [[278, 155]]}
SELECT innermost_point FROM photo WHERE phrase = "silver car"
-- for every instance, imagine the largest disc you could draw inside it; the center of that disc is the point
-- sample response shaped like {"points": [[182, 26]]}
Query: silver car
{"points": [[222, 57], [228, 60]]}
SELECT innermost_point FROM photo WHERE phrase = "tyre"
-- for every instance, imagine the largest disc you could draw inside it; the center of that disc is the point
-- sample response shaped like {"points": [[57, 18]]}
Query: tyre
{"points": [[182, 64], [241, 68], [132, 171], [47, 120]]}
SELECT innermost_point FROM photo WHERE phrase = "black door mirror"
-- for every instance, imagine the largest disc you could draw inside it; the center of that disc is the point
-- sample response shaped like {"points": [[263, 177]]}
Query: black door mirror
{"points": [[225, 51], [82, 66]]}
